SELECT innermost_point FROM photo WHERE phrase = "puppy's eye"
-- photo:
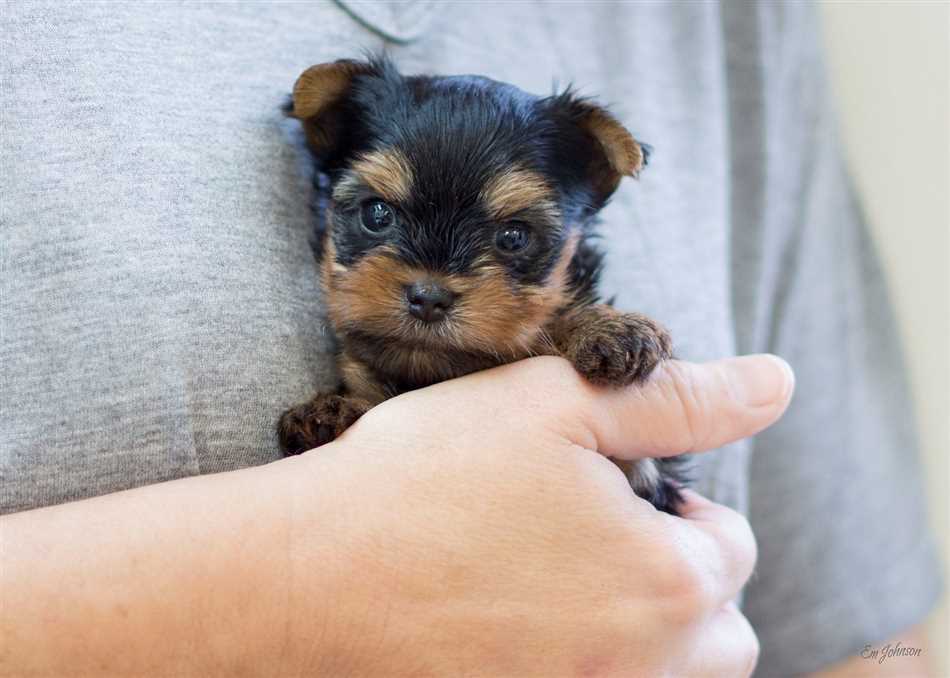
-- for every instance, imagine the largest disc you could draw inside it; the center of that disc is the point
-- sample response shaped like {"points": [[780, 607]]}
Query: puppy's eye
{"points": [[376, 216], [512, 237]]}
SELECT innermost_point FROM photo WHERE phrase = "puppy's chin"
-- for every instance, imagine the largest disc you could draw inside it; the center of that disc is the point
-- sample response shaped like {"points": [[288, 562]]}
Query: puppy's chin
{"points": [[452, 335], [415, 355], [446, 335]]}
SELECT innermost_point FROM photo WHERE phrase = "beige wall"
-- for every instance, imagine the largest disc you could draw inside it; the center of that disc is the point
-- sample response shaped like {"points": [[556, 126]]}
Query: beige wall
{"points": [[890, 72]]}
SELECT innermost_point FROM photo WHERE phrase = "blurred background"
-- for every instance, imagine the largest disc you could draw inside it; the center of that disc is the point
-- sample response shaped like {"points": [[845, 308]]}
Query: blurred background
{"points": [[889, 66]]}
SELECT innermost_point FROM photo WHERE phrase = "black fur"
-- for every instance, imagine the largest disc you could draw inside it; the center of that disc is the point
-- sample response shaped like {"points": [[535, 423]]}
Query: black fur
{"points": [[468, 129]]}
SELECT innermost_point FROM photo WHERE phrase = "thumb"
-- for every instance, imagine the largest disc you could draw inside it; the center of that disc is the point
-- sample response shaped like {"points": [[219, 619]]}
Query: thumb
{"points": [[685, 407]]}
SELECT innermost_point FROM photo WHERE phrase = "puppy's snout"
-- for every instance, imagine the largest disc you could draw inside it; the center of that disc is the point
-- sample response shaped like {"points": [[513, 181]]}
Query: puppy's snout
{"points": [[429, 301]]}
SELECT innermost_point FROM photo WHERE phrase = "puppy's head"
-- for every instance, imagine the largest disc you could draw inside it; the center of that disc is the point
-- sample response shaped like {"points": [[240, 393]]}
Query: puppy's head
{"points": [[457, 202]]}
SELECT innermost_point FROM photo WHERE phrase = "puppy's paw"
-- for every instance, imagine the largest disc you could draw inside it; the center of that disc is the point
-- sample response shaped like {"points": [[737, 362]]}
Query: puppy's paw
{"points": [[317, 422], [617, 349]]}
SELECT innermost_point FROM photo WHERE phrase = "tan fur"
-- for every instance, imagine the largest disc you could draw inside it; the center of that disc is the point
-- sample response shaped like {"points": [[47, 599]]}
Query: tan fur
{"points": [[369, 293], [516, 190], [347, 188], [315, 93], [622, 150], [488, 317], [360, 382], [387, 172], [320, 86]]}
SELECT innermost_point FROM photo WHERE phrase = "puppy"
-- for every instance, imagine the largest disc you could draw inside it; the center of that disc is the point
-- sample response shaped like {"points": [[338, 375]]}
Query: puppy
{"points": [[456, 236]]}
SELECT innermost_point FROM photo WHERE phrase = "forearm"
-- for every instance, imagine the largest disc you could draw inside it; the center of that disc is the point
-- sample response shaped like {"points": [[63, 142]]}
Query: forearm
{"points": [[473, 531], [157, 580]]}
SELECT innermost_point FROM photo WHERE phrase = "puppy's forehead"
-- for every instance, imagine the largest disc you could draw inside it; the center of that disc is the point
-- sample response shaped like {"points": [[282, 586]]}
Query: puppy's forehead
{"points": [[502, 193], [456, 140]]}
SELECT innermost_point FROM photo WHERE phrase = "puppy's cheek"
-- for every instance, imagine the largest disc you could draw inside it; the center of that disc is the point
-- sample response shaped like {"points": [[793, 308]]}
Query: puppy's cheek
{"points": [[486, 307], [367, 295], [500, 315], [350, 310], [511, 314]]}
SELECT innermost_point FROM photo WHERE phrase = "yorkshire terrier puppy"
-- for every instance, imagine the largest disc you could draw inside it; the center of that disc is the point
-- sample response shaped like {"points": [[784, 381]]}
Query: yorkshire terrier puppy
{"points": [[456, 236]]}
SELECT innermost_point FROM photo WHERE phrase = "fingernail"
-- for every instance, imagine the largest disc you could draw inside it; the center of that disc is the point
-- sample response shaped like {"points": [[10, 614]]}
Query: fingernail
{"points": [[762, 380]]}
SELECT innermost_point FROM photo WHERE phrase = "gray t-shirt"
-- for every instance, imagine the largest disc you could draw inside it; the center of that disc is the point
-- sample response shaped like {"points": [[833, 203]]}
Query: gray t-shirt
{"points": [[160, 305]]}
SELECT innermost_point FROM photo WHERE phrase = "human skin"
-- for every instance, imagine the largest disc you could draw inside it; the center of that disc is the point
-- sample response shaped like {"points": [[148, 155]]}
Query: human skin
{"points": [[475, 527]]}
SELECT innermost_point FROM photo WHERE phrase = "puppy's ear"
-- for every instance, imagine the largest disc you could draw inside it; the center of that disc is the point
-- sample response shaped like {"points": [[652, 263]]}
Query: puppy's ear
{"points": [[613, 152], [320, 99]]}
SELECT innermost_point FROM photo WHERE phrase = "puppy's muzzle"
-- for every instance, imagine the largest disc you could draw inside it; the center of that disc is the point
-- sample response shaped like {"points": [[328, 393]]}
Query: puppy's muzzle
{"points": [[429, 301]]}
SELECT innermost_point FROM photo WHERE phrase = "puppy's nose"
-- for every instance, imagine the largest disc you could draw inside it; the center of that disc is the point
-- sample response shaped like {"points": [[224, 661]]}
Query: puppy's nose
{"points": [[429, 301]]}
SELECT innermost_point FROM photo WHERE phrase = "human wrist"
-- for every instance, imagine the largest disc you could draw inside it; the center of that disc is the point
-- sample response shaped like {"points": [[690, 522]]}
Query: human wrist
{"points": [[325, 607]]}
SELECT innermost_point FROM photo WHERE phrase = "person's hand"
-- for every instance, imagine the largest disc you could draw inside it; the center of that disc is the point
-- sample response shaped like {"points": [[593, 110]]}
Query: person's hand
{"points": [[476, 527], [469, 528]]}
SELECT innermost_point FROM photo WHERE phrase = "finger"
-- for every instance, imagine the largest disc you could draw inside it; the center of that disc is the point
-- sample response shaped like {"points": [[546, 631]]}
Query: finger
{"points": [[684, 407], [725, 646], [721, 544]]}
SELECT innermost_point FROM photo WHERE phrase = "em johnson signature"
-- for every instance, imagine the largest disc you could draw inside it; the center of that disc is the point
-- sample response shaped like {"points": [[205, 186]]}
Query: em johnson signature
{"points": [[889, 651]]}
